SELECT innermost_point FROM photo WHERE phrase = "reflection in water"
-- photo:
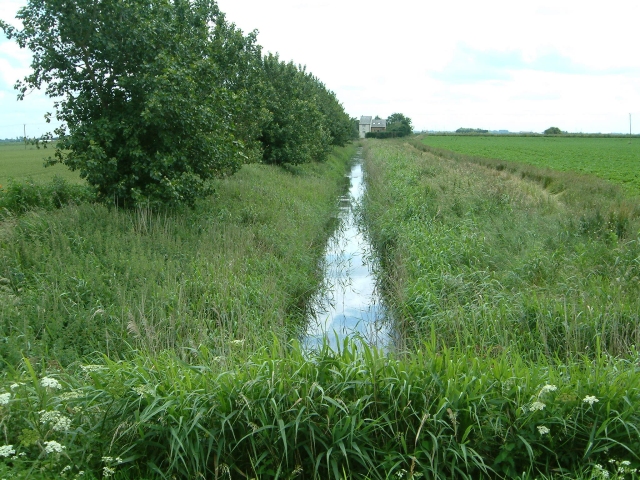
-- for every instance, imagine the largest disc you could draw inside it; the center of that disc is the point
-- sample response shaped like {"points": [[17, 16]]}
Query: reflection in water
{"points": [[349, 303]]}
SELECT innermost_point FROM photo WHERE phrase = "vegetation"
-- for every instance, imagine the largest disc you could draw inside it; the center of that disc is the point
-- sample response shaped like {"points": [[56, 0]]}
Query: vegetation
{"points": [[553, 131], [305, 120], [239, 266], [471, 130], [499, 260], [357, 413], [614, 159], [399, 124], [158, 97]]}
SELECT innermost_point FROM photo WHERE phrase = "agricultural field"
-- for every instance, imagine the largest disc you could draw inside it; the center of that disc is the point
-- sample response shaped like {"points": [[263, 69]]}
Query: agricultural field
{"points": [[20, 163], [615, 159]]}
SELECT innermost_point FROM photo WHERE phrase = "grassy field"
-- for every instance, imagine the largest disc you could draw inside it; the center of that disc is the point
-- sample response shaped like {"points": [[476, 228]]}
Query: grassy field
{"points": [[20, 164], [162, 344], [615, 159]]}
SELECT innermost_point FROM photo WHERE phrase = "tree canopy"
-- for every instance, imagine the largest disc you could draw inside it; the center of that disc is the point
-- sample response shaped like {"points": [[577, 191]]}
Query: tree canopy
{"points": [[553, 131], [399, 124], [157, 97]]}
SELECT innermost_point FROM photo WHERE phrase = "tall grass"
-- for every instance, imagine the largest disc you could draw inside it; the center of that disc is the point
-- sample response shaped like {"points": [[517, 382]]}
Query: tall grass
{"points": [[352, 413], [504, 257], [242, 264]]}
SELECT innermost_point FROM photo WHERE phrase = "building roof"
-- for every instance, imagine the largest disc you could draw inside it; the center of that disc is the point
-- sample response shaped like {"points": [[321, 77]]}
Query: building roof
{"points": [[365, 120], [379, 123]]}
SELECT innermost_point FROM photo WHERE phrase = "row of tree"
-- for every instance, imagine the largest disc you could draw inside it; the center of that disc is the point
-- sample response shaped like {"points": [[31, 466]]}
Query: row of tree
{"points": [[157, 97]]}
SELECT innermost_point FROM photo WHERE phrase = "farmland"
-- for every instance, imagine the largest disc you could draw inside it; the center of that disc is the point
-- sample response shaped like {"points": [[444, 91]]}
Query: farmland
{"points": [[615, 159], [20, 163]]}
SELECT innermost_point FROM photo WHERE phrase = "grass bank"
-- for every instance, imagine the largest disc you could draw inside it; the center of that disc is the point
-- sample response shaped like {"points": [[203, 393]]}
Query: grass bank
{"points": [[540, 262], [357, 413], [240, 266]]}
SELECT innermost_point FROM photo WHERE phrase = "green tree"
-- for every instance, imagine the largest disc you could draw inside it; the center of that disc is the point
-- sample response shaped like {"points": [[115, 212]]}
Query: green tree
{"points": [[553, 131], [399, 124], [155, 96], [295, 131]]}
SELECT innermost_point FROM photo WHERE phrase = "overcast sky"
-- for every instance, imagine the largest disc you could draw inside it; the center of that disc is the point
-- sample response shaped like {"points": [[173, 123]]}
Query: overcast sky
{"points": [[519, 66]]}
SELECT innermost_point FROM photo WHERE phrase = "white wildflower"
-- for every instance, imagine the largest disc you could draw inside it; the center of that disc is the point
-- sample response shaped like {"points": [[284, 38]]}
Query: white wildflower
{"points": [[53, 447], [543, 430], [590, 399], [58, 422], [6, 450], [15, 385], [50, 382], [602, 472], [143, 390], [625, 463], [64, 471], [107, 472], [4, 398], [548, 388], [536, 406], [237, 342]]}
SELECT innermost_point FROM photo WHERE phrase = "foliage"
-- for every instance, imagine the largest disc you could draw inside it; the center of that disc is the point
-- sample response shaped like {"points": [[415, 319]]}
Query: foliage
{"points": [[305, 119], [153, 94], [611, 158], [355, 413], [385, 134], [471, 130], [553, 131], [399, 124]]}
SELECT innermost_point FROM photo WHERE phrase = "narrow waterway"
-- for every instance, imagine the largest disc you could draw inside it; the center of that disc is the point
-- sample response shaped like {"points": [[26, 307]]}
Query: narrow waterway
{"points": [[349, 303]]}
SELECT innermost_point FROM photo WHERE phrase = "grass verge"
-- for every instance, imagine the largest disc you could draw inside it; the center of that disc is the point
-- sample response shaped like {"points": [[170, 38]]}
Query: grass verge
{"points": [[356, 413], [241, 265], [540, 262]]}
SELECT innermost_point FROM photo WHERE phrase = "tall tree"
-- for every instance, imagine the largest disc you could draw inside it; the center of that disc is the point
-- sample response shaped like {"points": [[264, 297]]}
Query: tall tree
{"points": [[295, 131], [154, 95], [399, 124]]}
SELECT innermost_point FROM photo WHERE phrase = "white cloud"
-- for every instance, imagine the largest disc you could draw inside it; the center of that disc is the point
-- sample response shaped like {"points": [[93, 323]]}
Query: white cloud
{"points": [[492, 64]]}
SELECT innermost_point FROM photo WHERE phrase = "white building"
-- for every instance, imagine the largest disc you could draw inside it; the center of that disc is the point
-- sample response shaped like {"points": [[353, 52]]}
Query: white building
{"points": [[365, 125]]}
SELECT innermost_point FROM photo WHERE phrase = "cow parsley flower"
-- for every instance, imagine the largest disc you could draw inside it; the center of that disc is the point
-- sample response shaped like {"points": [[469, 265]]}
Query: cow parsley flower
{"points": [[590, 399], [4, 398], [50, 383], [543, 430], [6, 450], [58, 422], [535, 406], [53, 447], [548, 388]]}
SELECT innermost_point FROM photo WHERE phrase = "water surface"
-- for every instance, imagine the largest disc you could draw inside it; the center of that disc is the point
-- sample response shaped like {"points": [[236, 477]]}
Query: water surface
{"points": [[349, 304]]}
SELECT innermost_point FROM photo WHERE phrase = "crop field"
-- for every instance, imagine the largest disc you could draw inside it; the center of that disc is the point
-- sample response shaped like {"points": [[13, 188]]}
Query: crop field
{"points": [[18, 163], [615, 159]]}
